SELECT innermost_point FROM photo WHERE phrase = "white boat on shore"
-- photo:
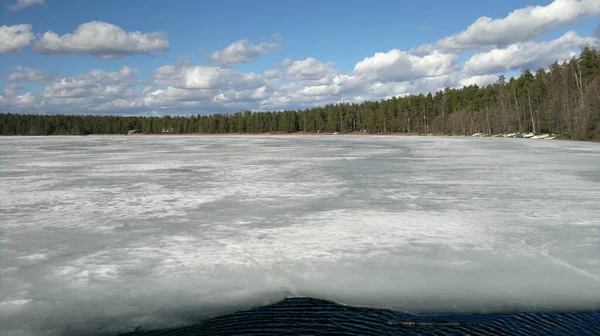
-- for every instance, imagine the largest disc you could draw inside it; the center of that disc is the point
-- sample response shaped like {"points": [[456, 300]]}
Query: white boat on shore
{"points": [[541, 136]]}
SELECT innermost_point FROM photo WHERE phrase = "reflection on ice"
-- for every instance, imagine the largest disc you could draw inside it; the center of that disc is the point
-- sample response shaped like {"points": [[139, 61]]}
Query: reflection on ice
{"points": [[109, 233]]}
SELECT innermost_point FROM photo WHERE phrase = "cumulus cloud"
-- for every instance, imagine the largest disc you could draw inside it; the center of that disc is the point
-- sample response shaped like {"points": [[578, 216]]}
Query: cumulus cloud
{"points": [[170, 96], [203, 101], [15, 38], [271, 74], [520, 25], [26, 100], [350, 88], [353, 89], [205, 77], [97, 84], [92, 92], [531, 55], [184, 87], [25, 74], [482, 80], [26, 3], [115, 92], [385, 90], [301, 94], [205, 88], [12, 96], [506, 44], [102, 39], [243, 95], [241, 52], [307, 69], [396, 65], [11, 89], [181, 88], [307, 83]]}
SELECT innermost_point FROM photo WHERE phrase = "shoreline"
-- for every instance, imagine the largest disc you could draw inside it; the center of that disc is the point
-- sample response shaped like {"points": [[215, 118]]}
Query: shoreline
{"points": [[242, 134], [280, 134], [287, 134]]}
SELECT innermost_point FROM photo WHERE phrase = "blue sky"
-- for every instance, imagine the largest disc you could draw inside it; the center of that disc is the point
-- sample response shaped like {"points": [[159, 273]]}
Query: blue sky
{"points": [[331, 48]]}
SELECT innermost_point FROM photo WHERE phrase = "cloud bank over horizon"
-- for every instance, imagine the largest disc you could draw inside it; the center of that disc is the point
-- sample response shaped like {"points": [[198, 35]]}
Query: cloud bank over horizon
{"points": [[223, 83]]}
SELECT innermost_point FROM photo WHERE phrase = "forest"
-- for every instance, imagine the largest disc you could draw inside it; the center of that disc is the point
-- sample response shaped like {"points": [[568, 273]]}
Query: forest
{"points": [[563, 99]]}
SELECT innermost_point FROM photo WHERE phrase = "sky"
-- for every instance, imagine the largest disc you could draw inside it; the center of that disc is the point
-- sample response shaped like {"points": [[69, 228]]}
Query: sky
{"points": [[150, 57]]}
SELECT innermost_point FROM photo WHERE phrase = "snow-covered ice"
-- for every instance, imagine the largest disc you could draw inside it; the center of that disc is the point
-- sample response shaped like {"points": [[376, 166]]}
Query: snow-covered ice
{"points": [[110, 233]]}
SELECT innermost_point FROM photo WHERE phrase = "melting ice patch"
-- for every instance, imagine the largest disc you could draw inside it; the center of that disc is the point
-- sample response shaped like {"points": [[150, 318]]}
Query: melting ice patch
{"points": [[110, 233]]}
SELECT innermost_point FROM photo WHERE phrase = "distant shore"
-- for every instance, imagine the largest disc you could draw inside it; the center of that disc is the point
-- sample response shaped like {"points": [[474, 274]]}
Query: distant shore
{"points": [[413, 134], [286, 134], [558, 137], [249, 134]]}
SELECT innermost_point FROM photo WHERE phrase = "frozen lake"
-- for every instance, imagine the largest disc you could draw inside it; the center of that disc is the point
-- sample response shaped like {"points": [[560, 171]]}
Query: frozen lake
{"points": [[110, 233]]}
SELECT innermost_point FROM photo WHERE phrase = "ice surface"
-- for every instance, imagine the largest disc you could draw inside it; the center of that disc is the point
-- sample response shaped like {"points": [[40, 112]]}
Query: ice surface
{"points": [[110, 233]]}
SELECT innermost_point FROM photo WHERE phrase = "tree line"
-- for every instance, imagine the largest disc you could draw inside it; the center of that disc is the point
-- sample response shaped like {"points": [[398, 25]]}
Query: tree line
{"points": [[563, 99]]}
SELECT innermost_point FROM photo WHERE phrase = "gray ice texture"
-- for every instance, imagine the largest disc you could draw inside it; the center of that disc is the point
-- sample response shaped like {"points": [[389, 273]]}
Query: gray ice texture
{"points": [[108, 233]]}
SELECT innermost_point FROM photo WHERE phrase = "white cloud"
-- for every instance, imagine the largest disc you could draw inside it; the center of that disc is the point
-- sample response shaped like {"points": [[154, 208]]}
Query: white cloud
{"points": [[15, 38], [102, 39], [385, 90], [241, 96], [433, 84], [241, 52], [307, 69], [95, 91], [307, 83], [187, 88], [25, 74], [352, 89], [508, 44], [531, 55], [286, 98], [520, 25], [13, 97], [205, 77], [204, 88], [27, 99], [199, 89], [171, 95], [204, 100], [97, 84], [26, 3], [379, 90], [482, 80], [396, 65], [11, 89], [271, 74]]}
